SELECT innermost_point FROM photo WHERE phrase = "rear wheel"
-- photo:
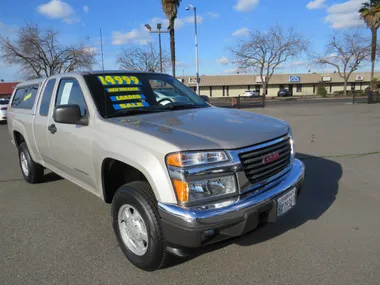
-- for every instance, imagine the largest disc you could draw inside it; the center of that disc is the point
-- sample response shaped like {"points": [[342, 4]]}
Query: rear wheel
{"points": [[137, 226], [31, 171]]}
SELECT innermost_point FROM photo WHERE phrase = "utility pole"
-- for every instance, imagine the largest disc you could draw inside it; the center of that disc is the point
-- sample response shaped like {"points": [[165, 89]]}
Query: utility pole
{"points": [[159, 32]]}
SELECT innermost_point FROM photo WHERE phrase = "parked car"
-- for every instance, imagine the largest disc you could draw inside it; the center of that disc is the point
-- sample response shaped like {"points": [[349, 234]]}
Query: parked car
{"points": [[178, 175], [283, 93], [3, 109], [251, 93]]}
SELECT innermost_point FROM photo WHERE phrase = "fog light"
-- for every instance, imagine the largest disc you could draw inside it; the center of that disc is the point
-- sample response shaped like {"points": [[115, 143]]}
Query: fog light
{"points": [[207, 235]]}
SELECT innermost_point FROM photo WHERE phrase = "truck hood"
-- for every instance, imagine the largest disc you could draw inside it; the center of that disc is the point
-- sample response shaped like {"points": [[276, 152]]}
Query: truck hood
{"points": [[206, 128]]}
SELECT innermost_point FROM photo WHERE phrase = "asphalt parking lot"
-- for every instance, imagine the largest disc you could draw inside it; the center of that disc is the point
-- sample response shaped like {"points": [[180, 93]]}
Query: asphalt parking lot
{"points": [[56, 233]]}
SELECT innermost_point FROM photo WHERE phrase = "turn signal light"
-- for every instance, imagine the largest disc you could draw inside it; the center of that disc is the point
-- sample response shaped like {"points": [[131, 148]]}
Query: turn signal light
{"points": [[181, 190]]}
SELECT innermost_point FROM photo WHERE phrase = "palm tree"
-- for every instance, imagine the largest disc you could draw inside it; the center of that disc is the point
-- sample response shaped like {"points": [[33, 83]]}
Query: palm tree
{"points": [[170, 8], [370, 13]]}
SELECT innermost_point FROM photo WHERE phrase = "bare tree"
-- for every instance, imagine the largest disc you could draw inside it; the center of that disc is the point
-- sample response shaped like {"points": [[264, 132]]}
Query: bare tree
{"points": [[264, 52], [345, 52], [39, 53], [143, 59]]}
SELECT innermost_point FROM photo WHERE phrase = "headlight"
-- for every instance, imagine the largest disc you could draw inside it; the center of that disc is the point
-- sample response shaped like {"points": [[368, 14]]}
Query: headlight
{"points": [[183, 159], [191, 191], [202, 189]]}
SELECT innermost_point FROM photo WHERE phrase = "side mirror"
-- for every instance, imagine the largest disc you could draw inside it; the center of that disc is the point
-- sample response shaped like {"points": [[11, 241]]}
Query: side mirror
{"points": [[69, 114], [204, 97]]}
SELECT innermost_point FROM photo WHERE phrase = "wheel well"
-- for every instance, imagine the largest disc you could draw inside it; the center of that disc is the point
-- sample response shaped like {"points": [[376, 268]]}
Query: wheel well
{"points": [[18, 138], [115, 174]]}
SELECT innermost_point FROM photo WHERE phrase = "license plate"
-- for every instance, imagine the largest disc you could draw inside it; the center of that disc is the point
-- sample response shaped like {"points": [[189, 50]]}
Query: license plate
{"points": [[286, 202]]}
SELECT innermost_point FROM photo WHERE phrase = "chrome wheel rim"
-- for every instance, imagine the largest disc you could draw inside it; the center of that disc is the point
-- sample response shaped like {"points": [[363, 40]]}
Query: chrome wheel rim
{"points": [[24, 164], [133, 229]]}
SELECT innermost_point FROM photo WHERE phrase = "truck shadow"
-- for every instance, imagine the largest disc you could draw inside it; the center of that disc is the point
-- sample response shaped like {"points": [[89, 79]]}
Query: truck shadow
{"points": [[319, 193], [51, 177]]}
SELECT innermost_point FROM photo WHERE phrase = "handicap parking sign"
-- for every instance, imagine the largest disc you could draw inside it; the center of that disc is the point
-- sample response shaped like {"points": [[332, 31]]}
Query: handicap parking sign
{"points": [[294, 78]]}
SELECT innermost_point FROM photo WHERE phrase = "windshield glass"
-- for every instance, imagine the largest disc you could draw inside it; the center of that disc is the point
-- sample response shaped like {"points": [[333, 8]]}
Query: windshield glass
{"points": [[120, 93]]}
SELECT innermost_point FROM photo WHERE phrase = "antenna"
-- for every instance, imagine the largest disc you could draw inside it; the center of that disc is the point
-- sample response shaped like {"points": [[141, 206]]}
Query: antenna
{"points": [[104, 89]]}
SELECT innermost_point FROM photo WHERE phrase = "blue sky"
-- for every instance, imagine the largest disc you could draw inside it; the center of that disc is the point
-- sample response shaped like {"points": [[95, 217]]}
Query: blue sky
{"points": [[221, 23]]}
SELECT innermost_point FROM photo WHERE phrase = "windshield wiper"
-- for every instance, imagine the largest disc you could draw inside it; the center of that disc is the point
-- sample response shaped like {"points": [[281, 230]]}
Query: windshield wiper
{"points": [[134, 111], [182, 107]]}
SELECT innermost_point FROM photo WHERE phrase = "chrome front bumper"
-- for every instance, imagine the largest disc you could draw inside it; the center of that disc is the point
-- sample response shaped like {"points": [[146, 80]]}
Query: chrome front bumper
{"points": [[193, 218]]}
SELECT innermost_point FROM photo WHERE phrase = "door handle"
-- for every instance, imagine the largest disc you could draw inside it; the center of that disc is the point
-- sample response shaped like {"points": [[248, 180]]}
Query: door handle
{"points": [[52, 128]]}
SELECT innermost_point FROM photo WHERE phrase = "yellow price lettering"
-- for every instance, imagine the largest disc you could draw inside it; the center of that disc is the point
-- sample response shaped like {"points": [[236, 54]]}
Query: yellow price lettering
{"points": [[134, 79], [109, 79], [118, 79], [101, 78], [126, 79]]}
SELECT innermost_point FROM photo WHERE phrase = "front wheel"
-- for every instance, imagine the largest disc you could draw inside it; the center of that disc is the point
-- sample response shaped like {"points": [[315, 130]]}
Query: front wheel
{"points": [[137, 226]]}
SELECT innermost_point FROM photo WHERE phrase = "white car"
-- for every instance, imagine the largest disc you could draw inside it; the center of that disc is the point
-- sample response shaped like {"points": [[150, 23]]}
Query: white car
{"points": [[251, 93], [3, 109]]}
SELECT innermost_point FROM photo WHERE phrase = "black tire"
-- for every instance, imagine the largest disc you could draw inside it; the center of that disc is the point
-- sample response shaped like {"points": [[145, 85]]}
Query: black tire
{"points": [[35, 171], [140, 196]]}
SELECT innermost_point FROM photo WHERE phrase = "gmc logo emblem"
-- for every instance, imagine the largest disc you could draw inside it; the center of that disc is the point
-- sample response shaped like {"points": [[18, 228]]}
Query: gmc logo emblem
{"points": [[271, 157]]}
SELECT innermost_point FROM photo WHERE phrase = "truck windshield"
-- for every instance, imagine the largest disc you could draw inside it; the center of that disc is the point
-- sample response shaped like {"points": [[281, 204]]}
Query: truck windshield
{"points": [[122, 94]]}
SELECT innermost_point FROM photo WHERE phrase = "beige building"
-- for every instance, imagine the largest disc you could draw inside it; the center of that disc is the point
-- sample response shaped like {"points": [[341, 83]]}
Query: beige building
{"points": [[298, 84]]}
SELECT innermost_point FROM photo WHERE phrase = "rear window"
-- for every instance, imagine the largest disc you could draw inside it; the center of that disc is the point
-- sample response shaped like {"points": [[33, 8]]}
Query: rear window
{"points": [[4, 101], [25, 97]]}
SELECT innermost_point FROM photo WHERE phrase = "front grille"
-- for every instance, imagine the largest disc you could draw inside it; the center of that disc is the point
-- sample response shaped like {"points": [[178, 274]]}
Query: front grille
{"points": [[258, 167]]}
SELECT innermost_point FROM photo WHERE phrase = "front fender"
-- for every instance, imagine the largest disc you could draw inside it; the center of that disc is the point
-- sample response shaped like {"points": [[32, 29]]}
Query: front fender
{"points": [[151, 164]]}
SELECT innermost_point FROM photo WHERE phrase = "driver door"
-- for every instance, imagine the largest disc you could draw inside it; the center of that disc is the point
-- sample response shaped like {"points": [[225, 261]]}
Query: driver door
{"points": [[70, 144]]}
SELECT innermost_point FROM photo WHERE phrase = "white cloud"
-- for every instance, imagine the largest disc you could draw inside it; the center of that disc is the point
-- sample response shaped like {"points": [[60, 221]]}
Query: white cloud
{"points": [[190, 19], [223, 60], [56, 9], [245, 5], [180, 64], [344, 15], [71, 20], [213, 15], [135, 36], [85, 9], [232, 70], [243, 32], [316, 4]]}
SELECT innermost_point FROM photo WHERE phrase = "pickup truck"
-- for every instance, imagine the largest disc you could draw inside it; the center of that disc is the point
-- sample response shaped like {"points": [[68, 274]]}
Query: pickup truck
{"points": [[180, 174]]}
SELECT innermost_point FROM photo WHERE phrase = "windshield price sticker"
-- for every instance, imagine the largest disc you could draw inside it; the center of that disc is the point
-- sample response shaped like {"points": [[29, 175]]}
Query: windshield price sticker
{"points": [[119, 80], [130, 105], [128, 97], [122, 89], [27, 97]]}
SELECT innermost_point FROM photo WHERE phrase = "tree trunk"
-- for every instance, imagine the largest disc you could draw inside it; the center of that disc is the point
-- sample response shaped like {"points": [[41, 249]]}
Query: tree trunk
{"points": [[172, 45], [373, 52], [345, 87], [264, 85]]}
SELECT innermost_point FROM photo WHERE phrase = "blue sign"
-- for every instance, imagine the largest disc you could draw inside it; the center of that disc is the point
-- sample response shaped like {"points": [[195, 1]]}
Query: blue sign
{"points": [[294, 78]]}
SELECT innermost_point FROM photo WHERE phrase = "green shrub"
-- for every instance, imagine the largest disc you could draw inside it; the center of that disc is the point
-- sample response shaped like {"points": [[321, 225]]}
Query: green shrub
{"points": [[322, 91]]}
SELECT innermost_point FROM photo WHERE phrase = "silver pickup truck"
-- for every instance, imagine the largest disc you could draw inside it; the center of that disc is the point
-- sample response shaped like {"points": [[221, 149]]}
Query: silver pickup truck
{"points": [[180, 173]]}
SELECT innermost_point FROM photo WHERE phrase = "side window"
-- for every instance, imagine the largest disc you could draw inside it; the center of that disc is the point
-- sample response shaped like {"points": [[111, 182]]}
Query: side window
{"points": [[69, 92], [24, 97], [46, 97]]}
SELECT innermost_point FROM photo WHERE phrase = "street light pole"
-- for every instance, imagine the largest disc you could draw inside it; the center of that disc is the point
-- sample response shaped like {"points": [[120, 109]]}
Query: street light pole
{"points": [[159, 32], [159, 43], [196, 43]]}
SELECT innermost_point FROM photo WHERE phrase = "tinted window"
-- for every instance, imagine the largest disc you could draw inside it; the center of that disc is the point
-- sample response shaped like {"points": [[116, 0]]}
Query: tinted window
{"points": [[46, 97], [114, 93], [69, 92], [4, 101], [25, 97]]}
